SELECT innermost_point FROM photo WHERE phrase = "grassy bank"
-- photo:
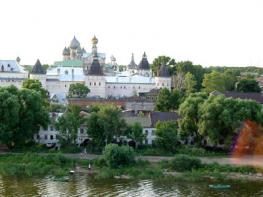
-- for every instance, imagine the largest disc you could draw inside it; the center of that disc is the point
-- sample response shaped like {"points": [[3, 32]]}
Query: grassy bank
{"points": [[31, 164]]}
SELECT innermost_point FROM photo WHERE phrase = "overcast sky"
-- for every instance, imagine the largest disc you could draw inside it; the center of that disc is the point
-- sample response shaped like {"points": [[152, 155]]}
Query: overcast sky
{"points": [[207, 32]]}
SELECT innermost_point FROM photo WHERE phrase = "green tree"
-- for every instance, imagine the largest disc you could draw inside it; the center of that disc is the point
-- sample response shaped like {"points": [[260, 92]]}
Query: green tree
{"points": [[68, 125], [230, 79], [169, 62], [214, 81], [118, 156], [167, 135], [220, 117], [247, 85], [189, 113], [78, 90], [189, 83], [21, 113], [105, 124], [136, 133], [168, 100], [34, 84]]}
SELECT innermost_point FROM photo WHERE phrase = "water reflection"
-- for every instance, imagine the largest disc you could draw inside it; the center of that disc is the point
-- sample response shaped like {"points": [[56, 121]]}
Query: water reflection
{"points": [[80, 185]]}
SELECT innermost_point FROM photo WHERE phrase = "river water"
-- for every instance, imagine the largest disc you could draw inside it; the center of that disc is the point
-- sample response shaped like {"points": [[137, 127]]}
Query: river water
{"points": [[80, 185]]}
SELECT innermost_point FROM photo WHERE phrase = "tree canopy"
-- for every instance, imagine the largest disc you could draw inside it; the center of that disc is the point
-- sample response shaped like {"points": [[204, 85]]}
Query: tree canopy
{"points": [[78, 90], [21, 113], [247, 85]]}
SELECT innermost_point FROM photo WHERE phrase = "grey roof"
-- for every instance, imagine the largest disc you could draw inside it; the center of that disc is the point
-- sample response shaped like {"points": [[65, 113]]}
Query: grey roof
{"points": [[38, 68], [95, 68], [163, 116], [246, 95], [132, 64], [66, 51], [74, 44], [163, 71], [144, 64]]}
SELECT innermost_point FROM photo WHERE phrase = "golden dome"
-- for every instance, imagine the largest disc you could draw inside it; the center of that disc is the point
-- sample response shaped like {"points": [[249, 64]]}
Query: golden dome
{"points": [[94, 40]]}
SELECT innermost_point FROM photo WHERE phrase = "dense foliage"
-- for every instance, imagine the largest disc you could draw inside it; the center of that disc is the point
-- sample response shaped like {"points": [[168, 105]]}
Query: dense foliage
{"points": [[78, 90], [167, 136], [22, 112], [248, 85], [118, 156], [182, 163]]}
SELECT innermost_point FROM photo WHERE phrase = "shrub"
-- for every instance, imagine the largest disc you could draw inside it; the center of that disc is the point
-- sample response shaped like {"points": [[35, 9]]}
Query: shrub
{"points": [[185, 163], [100, 162], [117, 156]]}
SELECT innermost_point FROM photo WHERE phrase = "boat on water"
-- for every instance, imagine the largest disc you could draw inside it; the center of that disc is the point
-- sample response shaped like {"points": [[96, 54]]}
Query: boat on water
{"points": [[219, 186]]}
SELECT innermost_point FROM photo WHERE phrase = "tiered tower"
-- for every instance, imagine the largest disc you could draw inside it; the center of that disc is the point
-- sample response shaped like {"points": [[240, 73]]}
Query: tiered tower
{"points": [[163, 79], [94, 78], [38, 72]]}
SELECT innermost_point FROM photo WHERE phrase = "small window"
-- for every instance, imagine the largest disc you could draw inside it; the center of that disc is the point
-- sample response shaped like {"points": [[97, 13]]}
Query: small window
{"points": [[38, 137], [121, 87], [90, 83], [45, 137], [108, 87], [99, 83], [8, 65], [66, 72], [94, 83], [81, 130], [146, 132], [65, 85], [51, 137], [51, 128], [139, 87], [114, 87]]}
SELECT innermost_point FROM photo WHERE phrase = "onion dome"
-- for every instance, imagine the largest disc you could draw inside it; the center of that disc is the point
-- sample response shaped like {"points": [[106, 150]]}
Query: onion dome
{"points": [[144, 64], [66, 51], [94, 40], [83, 50], [163, 71], [95, 68], [18, 59], [38, 68], [79, 51], [74, 44], [132, 64]]}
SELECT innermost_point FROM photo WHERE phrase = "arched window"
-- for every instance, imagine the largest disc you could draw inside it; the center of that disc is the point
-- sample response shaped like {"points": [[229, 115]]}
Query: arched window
{"points": [[66, 72], [2, 68]]}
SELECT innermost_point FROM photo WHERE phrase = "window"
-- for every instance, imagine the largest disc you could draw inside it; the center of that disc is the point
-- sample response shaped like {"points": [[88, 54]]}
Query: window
{"points": [[139, 87], [65, 85], [51, 128], [109, 87], [51, 137], [99, 83], [94, 83], [146, 132], [38, 136], [8, 65], [146, 141], [114, 87], [45, 137], [81, 130], [66, 72], [90, 83]]}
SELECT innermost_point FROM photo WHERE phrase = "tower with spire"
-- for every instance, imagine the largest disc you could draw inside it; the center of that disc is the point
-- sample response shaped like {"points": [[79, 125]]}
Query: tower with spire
{"points": [[144, 66], [38, 73], [94, 78], [163, 79], [132, 66]]}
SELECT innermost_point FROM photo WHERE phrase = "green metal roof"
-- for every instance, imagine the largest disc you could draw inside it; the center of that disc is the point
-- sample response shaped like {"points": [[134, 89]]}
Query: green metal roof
{"points": [[68, 63]]}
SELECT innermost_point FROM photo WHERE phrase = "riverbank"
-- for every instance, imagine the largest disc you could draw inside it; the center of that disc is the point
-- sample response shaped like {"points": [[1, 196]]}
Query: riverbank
{"points": [[58, 165]]}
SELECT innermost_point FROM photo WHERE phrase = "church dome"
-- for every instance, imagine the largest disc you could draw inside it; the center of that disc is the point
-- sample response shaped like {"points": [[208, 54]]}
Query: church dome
{"points": [[94, 40], [74, 44], [66, 51]]}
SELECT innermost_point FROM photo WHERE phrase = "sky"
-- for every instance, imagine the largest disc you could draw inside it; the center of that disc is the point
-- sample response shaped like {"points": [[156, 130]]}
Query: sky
{"points": [[206, 32]]}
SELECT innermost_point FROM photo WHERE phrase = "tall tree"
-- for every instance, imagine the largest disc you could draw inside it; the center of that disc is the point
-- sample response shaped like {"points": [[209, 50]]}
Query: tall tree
{"points": [[28, 114], [168, 100], [214, 81], [189, 113], [167, 136], [78, 90], [68, 125], [136, 133], [34, 84], [247, 85], [189, 83], [105, 124]]}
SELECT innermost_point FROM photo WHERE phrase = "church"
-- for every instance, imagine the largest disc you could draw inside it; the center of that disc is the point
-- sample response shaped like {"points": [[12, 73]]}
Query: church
{"points": [[104, 80]]}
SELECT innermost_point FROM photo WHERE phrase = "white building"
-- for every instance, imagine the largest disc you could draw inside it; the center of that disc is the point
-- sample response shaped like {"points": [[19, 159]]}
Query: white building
{"points": [[78, 66]]}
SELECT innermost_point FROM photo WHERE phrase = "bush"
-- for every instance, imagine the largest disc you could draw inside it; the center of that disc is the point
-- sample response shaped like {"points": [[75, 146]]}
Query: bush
{"points": [[197, 151], [118, 156], [185, 163]]}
